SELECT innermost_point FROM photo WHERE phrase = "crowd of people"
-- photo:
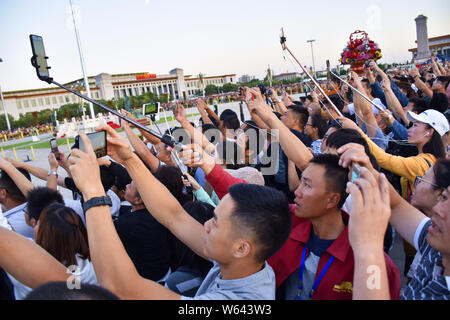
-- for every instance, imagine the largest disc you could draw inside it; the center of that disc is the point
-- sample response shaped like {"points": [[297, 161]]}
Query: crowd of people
{"points": [[302, 201]]}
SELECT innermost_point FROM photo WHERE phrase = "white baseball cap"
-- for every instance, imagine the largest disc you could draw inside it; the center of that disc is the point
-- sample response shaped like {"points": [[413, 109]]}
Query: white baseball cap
{"points": [[431, 117]]}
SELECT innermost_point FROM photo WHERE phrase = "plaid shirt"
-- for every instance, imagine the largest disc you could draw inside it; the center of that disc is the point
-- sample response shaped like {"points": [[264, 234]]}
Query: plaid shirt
{"points": [[428, 283]]}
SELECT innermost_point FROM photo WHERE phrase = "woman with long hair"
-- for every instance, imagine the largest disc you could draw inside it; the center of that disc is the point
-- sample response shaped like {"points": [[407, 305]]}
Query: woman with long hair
{"points": [[61, 232]]}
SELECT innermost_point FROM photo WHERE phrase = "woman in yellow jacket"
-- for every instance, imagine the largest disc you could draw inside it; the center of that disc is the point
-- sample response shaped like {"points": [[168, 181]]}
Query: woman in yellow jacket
{"points": [[426, 133]]}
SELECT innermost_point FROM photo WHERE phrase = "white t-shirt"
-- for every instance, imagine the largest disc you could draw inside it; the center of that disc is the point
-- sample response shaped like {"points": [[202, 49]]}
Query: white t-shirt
{"points": [[351, 106], [78, 208], [84, 272]]}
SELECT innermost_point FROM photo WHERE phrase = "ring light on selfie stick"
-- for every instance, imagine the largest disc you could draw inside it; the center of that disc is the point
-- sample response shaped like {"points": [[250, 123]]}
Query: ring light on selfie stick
{"points": [[38, 61]]}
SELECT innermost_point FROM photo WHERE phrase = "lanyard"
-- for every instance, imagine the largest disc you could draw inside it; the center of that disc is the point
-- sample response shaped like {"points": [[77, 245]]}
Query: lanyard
{"points": [[319, 278]]}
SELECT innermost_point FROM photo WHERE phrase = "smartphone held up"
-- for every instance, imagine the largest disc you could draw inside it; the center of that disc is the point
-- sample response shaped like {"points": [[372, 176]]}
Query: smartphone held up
{"points": [[98, 142]]}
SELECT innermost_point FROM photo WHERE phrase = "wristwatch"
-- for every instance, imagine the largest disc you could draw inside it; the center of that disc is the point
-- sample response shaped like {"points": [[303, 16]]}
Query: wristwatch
{"points": [[52, 172], [96, 202]]}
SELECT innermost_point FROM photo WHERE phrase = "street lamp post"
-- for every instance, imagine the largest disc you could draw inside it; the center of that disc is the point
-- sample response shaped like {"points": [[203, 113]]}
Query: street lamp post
{"points": [[312, 53], [4, 106]]}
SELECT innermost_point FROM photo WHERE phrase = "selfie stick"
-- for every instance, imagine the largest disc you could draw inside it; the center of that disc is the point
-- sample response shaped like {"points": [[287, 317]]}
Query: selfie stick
{"points": [[353, 88], [164, 138], [284, 47], [331, 82]]}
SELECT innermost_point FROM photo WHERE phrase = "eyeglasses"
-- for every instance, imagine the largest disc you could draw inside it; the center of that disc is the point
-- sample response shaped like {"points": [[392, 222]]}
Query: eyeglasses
{"points": [[420, 179]]}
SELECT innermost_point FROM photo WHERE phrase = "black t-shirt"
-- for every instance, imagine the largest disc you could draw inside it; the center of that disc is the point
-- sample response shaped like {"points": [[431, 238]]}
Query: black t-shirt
{"points": [[146, 242]]}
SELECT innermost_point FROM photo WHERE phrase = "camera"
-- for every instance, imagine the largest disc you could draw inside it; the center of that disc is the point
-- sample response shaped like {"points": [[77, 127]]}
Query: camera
{"points": [[367, 63]]}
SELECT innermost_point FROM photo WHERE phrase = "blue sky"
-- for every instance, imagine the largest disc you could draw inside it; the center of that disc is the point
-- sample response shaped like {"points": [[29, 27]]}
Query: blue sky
{"points": [[212, 37]]}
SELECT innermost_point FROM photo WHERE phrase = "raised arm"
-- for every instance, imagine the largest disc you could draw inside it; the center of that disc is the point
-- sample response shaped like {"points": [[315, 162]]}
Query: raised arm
{"points": [[419, 83], [404, 218], [294, 149], [196, 135], [52, 179], [158, 200], [38, 172], [201, 106], [140, 148], [392, 102], [279, 105], [218, 178], [366, 228], [19, 179], [364, 107], [28, 262], [436, 67], [113, 267]]}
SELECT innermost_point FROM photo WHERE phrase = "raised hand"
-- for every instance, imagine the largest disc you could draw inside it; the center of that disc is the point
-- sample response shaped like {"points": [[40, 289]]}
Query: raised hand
{"points": [[353, 153], [194, 156], [118, 148], [52, 161], [348, 123], [15, 163], [180, 113], [85, 170], [370, 212], [414, 72]]}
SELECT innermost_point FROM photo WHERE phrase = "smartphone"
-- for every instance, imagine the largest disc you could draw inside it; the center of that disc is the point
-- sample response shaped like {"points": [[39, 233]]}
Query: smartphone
{"points": [[150, 108], [39, 59], [356, 171], [98, 141], [54, 148]]}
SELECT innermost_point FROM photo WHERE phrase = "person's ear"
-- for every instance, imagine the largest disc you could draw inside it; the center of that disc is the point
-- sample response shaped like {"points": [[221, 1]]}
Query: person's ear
{"points": [[33, 222], [3, 194], [333, 200], [138, 201], [242, 248]]}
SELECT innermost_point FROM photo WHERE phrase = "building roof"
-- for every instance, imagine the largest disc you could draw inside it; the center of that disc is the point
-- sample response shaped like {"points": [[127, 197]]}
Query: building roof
{"points": [[434, 46]]}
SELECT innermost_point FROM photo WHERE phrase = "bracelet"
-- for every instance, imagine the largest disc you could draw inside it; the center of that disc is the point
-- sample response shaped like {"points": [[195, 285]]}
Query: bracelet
{"points": [[52, 172]]}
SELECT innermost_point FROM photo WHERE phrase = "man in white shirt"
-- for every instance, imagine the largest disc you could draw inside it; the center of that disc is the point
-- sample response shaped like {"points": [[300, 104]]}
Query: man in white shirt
{"points": [[13, 202]]}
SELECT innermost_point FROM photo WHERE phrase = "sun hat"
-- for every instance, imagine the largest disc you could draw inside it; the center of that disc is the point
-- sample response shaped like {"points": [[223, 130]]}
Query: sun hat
{"points": [[431, 117]]}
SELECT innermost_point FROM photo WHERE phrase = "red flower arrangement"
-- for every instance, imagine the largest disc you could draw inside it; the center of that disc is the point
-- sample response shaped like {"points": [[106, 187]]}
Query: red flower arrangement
{"points": [[359, 50]]}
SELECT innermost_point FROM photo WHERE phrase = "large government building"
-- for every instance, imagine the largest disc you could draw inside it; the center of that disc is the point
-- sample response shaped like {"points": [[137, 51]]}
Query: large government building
{"points": [[108, 86]]}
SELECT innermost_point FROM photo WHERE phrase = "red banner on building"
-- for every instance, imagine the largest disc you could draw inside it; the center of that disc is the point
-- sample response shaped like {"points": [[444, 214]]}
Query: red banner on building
{"points": [[145, 76]]}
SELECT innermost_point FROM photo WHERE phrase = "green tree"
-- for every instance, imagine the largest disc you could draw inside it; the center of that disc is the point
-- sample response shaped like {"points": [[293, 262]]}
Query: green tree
{"points": [[3, 125], [45, 116], [211, 89], [229, 87]]}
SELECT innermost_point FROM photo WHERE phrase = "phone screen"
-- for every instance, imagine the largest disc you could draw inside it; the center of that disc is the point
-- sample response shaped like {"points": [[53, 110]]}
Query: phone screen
{"points": [[98, 141], [150, 108], [54, 148], [37, 45], [53, 145]]}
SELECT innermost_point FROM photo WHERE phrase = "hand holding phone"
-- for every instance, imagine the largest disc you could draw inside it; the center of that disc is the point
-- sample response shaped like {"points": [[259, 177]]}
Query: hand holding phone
{"points": [[54, 148], [356, 171], [98, 141]]}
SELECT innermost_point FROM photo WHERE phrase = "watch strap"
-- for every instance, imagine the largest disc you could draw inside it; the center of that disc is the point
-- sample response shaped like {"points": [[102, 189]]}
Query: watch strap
{"points": [[96, 202]]}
